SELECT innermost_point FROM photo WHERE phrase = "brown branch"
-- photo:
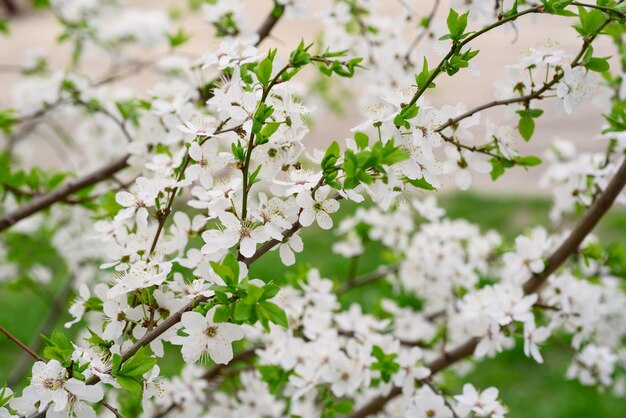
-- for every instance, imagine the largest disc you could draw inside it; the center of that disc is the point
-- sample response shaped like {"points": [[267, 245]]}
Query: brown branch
{"points": [[536, 95], [368, 278], [112, 409], [268, 24], [47, 200], [533, 285], [20, 344]]}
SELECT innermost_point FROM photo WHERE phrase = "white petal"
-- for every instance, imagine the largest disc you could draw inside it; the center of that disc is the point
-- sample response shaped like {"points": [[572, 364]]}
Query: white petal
{"points": [[192, 349], [230, 221], [89, 393], [463, 179], [324, 220], [247, 247], [307, 217], [330, 206], [193, 322], [125, 199], [286, 255], [304, 200]]}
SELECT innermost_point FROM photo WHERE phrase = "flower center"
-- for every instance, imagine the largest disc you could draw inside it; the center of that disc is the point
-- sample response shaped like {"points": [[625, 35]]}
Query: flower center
{"points": [[211, 331]]}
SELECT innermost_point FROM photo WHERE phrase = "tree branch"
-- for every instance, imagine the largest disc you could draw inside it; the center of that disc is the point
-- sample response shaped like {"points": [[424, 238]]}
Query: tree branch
{"points": [[268, 24], [20, 344], [47, 200]]}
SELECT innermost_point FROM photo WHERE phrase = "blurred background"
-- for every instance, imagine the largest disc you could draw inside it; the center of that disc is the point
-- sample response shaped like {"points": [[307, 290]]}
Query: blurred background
{"points": [[510, 205]]}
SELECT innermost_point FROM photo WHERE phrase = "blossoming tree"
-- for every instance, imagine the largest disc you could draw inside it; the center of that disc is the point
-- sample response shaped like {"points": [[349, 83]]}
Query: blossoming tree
{"points": [[177, 191]]}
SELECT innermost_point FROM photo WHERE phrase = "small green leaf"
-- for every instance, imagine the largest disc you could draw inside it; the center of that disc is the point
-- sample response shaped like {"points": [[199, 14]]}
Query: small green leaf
{"points": [[526, 127], [361, 140]]}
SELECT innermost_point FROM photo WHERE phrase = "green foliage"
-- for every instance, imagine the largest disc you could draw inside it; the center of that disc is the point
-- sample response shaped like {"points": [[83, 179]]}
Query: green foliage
{"points": [[4, 26], [330, 170], [384, 364], [298, 58], [263, 112], [499, 165], [332, 407], [360, 167], [131, 109], [459, 61], [129, 374], [58, 347], [590, 21], [406, 113], [275, 376], [178, 38], [249, 303], [557, 7], [526, 124], [456, 25], [4, 397], [329, 65], [421, 79], [7, 117], [228, 270], [264, 69]]}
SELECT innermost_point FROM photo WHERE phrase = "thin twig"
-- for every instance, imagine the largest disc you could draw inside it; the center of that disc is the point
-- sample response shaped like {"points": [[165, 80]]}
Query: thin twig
{"points": [[20, 344]]}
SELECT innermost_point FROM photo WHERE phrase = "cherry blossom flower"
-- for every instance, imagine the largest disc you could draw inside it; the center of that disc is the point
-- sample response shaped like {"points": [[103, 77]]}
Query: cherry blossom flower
{"points": [[51, 388], [317, 208], [236, 231], [205, 337], [460, 164], [532, 337], [143, 197], [483, 404], [576, 86]]}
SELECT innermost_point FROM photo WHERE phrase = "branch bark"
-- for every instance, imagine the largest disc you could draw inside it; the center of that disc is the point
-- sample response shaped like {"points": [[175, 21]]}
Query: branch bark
{"points": [[44, 201], [533, 285]]}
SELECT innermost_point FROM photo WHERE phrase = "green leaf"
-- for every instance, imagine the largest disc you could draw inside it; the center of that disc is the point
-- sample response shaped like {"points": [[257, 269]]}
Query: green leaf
{"points": [[8, 118], [528, 161], [497, 169], [456, 25], [178, 38], [264, 71], [275, 376], [242, 311], [421, 184], [599, 65], [300, 56], [590, 21], [275, 313], [526, 127], [228, 270], [222, 313], [344, 407], [4, 26], [138, 365], [130, 384], [361, 140], [58, 347]]}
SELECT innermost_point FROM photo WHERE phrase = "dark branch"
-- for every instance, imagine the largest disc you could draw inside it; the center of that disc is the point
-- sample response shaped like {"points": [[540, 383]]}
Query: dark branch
{"points": [[47, 200]]}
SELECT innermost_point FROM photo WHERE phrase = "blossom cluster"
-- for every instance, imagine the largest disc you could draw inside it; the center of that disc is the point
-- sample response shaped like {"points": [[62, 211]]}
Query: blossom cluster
{"points": [[182, 188]]}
